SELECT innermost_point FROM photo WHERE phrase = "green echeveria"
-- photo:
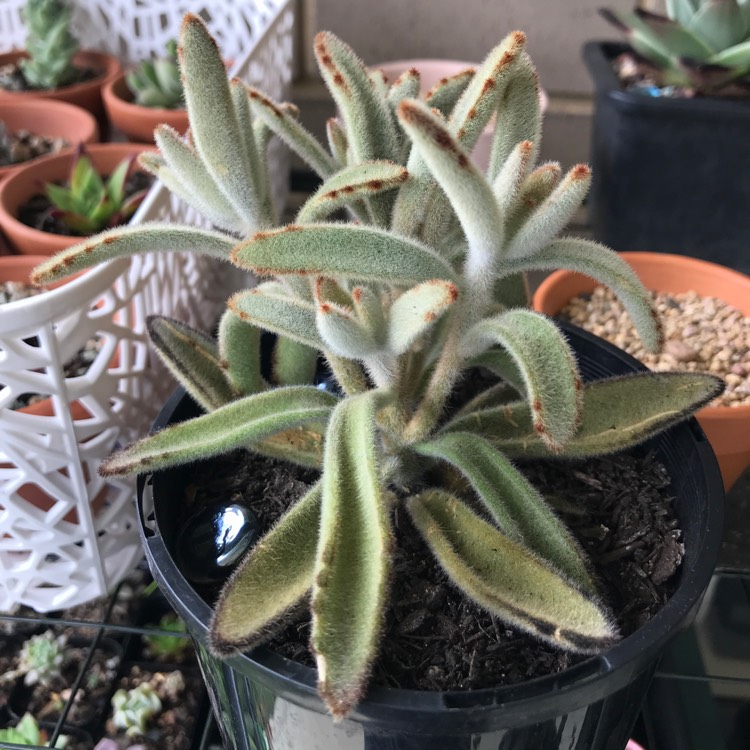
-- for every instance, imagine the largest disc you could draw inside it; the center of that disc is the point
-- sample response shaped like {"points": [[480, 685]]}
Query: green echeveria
{"points": [[704, 44], [425, 282], [157, 83]]}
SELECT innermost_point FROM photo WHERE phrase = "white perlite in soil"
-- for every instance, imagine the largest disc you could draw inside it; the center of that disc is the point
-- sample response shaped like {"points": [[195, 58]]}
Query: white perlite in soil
{"points": [[701, 333], [11, 291]]}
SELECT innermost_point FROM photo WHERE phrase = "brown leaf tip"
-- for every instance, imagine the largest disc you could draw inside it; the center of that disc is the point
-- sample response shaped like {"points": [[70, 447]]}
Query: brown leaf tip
{"points": [[526, 148], [580, 172]]}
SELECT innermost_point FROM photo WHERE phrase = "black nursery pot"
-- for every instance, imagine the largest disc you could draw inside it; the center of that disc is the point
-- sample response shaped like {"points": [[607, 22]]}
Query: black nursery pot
{"points": [[669, 175], [262, 700]]}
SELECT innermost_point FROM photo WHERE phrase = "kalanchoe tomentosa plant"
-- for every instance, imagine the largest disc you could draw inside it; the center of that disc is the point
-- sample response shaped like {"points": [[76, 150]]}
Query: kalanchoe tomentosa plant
{"points": [[49, 43], [426, 283], [704, 44]]}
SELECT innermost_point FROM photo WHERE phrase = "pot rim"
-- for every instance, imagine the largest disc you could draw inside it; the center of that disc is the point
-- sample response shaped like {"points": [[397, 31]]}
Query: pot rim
{"points": [[535, 697]]}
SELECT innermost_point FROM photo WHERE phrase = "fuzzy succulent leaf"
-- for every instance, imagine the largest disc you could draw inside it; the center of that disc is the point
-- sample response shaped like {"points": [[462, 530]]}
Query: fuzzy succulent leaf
{"points": [[546, 363], [193, 358], [213, 120], [349, 185], [519, 117], [293, 363], [608, 268], [369, 125], [122, 242], [537, 187], [338, 143], [617, 414], [463, 183], [185, 174], [354, 556], [512, 175], [501, 362], [447, 91], [508, 580], [416, 311], [271, 581], [270, 308], [343, 333], [234, 425], [553, 215], [352, 252], [285, 125], [519, 510], [239, 354]]}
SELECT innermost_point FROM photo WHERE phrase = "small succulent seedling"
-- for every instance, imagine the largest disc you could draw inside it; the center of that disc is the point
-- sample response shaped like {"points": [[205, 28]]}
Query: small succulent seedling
{"points": [[49, 44], [133, 708], [157, 83], [168, 647], [400, 304], [88, 202], [27, 732], [40, 659], [704, 44]]}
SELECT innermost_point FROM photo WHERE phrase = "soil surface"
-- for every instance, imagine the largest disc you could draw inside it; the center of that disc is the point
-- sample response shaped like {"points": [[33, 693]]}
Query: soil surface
{"points": [[619, 509], [13, 79], [21, 145]]}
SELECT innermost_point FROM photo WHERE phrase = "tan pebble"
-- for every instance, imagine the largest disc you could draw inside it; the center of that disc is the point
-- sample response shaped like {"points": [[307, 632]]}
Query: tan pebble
{"points": [[680, 351], [739, 370]]}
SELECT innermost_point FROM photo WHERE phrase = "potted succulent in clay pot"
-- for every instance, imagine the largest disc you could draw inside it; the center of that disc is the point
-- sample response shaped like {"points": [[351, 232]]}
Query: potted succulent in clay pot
{"points": [[52, 66], [379, 485], [670, 126], [49, 204], [34, 128], [146, 96], [707, 318]]}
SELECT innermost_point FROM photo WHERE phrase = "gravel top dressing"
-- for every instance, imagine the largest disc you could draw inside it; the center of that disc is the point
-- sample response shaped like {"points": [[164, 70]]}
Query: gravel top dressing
{"points": [[702, 334]]}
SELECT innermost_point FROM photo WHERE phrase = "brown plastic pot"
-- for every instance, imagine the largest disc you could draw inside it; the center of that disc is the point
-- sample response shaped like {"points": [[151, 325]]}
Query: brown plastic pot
{"points": [[86, 95], [54, 119], [727, 428], [136, 122], [28, 180]]}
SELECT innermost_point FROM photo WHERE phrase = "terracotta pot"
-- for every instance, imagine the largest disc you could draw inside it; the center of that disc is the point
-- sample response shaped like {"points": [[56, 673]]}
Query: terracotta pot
{"points": [[86, 95], [55, 119], [431, 71], [727, 428], [28, 180], [133, 120]]}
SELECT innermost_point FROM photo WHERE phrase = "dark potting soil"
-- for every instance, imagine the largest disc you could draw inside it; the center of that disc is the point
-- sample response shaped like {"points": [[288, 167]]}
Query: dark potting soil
{"points": [[35, 212], [435, 639], [13, 79]]}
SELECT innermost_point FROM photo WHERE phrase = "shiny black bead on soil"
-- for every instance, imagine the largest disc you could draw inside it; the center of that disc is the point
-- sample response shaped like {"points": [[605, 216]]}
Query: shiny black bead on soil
{"points": [[214, 540]]}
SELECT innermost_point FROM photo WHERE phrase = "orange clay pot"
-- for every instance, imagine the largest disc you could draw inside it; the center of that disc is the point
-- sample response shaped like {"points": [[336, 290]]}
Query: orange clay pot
{"points": [[136, 122], [19, 268], [28, 180], [53, 119], [86, 95], [727, 428]]}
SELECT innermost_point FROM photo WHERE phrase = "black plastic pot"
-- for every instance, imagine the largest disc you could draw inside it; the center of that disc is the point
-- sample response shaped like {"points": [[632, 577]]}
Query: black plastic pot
{"points": [[265, 702], [669, 175]]}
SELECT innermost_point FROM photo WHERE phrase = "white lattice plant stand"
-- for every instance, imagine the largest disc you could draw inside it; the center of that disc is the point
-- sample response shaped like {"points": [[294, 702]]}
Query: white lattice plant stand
{"points": [[81, 538]]}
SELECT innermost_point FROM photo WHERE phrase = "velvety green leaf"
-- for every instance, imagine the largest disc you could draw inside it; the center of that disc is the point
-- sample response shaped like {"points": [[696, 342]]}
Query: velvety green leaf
{"points": [[239, 353], [617, 414], [369, 125], [270, 582], [469, 193], [231, 426], [125, 241], [293, 363], [344, 335], [501, 362], [354, 556], [267, 307], [546, 363], [417, 310], [512, 175], [350, 185], [536, 189], [285, 125], [338, 143], [213, 121], [349, 251], [406, 86], [447, 91], [519, 510], [193, 358], [506, 579], [609, 269]]}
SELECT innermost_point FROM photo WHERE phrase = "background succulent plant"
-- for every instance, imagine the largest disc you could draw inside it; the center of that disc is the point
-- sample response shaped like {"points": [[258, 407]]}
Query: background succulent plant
{"points": [[399, 305], [704, 44], [50, 44], [156, 83], [88, 202]]}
